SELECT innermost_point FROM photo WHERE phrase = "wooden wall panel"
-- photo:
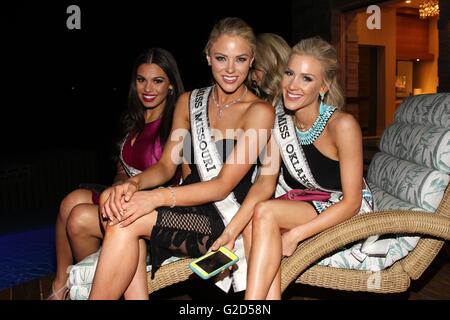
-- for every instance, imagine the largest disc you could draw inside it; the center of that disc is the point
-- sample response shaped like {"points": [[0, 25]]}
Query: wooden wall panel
{"points": [[412, 38]]}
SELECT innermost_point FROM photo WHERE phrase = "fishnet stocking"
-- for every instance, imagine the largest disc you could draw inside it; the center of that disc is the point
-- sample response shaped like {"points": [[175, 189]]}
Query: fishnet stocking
{"points": [[180, 231]]}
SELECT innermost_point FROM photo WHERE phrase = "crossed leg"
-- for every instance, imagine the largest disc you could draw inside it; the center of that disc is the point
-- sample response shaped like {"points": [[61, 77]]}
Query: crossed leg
{"points": [[120, 262], [64, 254], [85, 228]]}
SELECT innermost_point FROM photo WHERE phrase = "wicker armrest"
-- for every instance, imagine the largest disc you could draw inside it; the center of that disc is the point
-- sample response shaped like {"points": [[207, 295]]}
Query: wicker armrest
{"points": [[169, 274], [361, 227], [311, 250]]}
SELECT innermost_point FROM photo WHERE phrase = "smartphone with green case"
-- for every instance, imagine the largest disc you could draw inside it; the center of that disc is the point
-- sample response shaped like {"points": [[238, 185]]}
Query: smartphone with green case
{"points": [[213, 263]]}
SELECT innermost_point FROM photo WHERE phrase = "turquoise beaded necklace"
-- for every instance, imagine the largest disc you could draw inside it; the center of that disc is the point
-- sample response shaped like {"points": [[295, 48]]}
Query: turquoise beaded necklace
{"points": [[310, 135]]}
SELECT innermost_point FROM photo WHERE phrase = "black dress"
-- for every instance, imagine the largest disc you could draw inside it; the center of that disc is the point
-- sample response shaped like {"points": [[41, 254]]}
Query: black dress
{"points": [[190, 231], [326, 171]]}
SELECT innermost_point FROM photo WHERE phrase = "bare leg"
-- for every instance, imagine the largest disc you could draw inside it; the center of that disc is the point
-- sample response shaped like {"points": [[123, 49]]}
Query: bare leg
{"points": [[247, 237], [119, 258], [275, 287], [265, 256], [64, 256], [84, 230], [265, 253], [138, 289]]}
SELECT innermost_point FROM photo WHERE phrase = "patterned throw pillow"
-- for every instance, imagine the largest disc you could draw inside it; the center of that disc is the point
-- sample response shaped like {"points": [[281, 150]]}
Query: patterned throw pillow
{"points": [[411, 173], [81, 276]]}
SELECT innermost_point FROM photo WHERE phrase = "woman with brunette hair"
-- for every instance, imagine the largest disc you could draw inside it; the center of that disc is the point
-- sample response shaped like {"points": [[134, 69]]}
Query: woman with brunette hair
{"points": [[154, 88]]}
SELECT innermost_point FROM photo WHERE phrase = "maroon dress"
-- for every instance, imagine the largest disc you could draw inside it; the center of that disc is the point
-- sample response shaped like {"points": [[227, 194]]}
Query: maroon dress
{"points": [[145, 151]]}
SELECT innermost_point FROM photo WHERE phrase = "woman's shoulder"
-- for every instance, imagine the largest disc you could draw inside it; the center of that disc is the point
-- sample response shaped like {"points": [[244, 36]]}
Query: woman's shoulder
{"points": [[259, 107], [341, 118], [259, 114], [182, 106], [183, 99], [185, 96], [343, 122]]}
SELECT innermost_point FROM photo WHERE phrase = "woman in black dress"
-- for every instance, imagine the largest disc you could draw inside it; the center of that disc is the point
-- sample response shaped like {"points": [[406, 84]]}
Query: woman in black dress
{"points": [[186, 220]]}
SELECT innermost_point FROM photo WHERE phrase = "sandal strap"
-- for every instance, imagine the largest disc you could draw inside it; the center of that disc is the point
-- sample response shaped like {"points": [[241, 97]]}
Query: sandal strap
{"points": [[54, 293]]}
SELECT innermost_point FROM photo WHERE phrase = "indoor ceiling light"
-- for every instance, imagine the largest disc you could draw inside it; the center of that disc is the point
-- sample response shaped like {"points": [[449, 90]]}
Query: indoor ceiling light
{"points": [[428, 8]]}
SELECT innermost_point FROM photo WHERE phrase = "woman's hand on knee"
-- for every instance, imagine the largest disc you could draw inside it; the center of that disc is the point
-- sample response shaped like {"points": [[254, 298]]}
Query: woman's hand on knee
{"points": [[141, 204], [109, 208], [102, 201]]}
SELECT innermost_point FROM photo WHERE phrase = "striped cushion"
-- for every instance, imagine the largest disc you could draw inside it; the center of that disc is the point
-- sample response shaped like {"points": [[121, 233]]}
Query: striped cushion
{"points": [[417, 185], [427, 109], [426, 146], [411, 172], [386, 201]]}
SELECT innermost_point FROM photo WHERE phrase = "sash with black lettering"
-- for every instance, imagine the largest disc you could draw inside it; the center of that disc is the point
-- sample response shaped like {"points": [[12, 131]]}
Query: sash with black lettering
{"points": [[295, 161], [209, 163], [292, 153]]}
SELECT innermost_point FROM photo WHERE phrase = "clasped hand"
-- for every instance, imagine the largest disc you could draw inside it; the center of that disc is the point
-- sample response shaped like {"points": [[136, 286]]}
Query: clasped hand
{"points": [[124, 204]]}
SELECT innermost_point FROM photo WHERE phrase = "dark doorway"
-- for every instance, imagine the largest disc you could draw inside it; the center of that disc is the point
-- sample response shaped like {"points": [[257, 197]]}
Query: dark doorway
{"points": [[368, 89]]}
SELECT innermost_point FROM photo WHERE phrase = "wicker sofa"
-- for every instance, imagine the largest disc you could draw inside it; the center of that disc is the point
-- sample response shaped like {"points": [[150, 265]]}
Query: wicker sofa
{"points": [[417, 141]]}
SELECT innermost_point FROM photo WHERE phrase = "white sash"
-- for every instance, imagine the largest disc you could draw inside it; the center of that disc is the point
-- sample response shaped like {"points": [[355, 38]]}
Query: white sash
{"points": [[209, 164], [130, 171], [295, 161], [292, 154]]}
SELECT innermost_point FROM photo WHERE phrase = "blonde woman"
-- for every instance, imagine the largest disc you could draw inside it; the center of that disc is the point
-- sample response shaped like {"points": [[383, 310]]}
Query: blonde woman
{"points": [[186, 220], [320, 148]]}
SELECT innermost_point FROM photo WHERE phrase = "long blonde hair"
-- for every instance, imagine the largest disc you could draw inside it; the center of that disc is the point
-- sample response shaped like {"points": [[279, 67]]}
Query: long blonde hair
{"points": [[326, 54]]}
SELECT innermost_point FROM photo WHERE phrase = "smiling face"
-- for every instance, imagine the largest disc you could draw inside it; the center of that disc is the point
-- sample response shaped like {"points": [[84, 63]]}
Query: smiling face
{"points": [[230, 58], [152, 85], [302, 82]]}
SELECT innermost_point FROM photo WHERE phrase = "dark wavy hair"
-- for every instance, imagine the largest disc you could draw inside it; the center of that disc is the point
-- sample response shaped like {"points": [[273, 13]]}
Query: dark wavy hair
{"points": [[132, 121]]}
